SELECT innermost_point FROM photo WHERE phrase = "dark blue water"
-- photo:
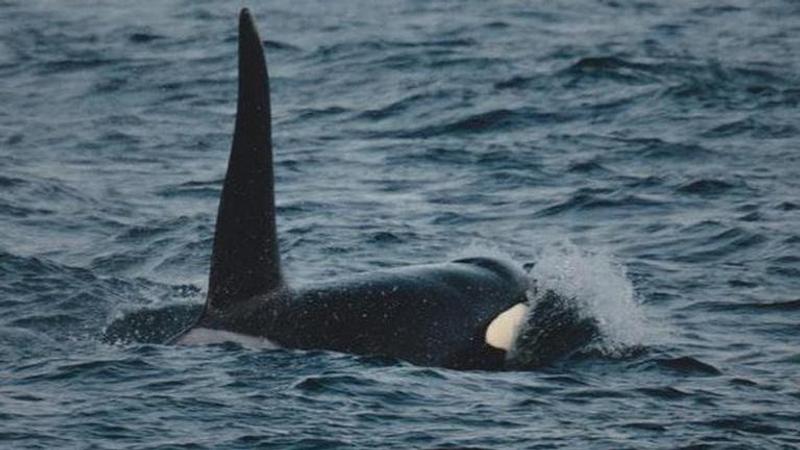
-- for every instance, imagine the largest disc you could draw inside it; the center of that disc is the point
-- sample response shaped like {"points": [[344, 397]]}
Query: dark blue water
{"points": [[644, 155]]}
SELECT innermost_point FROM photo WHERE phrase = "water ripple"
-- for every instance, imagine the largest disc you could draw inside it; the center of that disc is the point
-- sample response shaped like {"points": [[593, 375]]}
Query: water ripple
{"points": [[656, 140]]}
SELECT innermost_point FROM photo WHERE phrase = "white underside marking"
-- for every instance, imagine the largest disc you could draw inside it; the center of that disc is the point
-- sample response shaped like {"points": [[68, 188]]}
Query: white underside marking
{"points": [[503, 330], [205, 336]]}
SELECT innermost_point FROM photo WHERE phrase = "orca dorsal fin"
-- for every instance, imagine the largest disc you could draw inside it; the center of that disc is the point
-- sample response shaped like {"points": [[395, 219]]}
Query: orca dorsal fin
{"points": [[245, 261]]}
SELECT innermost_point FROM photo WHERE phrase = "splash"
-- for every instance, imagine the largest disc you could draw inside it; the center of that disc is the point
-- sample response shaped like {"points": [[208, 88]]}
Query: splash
{"points": [[601, 289]]}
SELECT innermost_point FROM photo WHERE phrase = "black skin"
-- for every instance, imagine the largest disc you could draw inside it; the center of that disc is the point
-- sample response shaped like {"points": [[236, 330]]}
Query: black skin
{"points": [[431, 315]]}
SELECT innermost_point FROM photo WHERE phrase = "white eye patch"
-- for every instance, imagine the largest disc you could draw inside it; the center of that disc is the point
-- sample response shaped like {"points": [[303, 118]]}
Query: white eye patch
{"points": [[503, 330]]}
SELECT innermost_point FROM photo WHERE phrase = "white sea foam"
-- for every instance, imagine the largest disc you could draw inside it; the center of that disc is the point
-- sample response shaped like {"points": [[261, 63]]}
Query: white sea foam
{"points": [[601, 288]]}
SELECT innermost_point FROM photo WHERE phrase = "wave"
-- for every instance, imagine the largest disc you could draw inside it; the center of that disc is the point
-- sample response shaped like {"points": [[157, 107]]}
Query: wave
{"points": [[753, 127], [687, 365], [659, 149], [587, 200], [193, 189], [144, 37], [706, 186], [613, 68], [730, 241], [781, 306], [495, 120]]}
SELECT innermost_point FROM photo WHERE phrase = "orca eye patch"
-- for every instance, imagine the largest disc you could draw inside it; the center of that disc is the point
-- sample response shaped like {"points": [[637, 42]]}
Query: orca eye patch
{"points": [[503, 330]]}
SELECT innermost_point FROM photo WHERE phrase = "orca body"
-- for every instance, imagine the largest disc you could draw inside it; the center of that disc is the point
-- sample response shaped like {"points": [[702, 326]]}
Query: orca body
{"points": [[433, 315]]}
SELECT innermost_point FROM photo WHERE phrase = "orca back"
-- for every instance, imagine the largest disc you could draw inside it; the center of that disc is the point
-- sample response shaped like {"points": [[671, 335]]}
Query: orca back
{"points": [[432, 315]]}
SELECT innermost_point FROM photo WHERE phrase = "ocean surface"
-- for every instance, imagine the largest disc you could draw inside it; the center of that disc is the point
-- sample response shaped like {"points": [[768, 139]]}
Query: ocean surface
{"points": [[640, 157]]}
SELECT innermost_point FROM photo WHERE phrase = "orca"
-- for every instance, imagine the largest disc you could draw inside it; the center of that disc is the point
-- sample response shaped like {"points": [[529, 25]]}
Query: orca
{"points": [[462, 314]]}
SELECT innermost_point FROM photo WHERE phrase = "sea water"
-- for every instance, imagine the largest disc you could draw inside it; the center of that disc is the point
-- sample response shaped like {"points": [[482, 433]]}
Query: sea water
{"points": [[642, 158]]}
